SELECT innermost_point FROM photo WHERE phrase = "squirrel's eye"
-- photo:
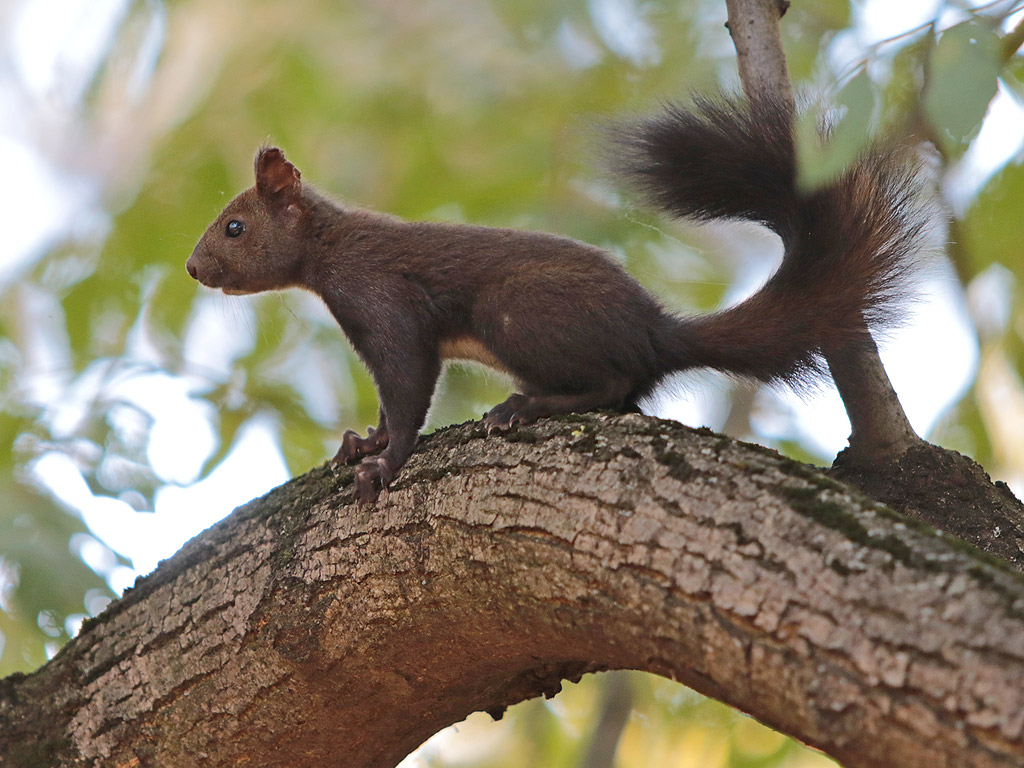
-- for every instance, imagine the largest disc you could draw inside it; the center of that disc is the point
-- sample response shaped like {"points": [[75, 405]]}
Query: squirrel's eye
{"points": [[234, 228]]}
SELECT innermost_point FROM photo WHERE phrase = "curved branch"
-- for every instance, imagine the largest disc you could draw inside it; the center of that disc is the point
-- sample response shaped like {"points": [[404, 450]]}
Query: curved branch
{"points": [[305, 630]]}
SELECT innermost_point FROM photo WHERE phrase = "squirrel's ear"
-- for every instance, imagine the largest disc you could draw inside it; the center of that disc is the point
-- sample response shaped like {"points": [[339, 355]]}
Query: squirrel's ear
{"points": [[277, 180]]}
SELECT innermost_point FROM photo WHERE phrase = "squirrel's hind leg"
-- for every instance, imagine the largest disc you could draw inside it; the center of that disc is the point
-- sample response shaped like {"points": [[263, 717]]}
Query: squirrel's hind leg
{"points": [[519, 410]]}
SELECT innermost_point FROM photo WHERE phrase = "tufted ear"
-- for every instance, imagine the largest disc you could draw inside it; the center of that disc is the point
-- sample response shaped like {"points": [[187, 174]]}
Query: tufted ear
{"points": [[277, 181]]}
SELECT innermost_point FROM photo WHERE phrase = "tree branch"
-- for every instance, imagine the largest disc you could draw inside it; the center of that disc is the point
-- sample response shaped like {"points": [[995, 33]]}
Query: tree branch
{"points": [[754, 27], [305, 630]]}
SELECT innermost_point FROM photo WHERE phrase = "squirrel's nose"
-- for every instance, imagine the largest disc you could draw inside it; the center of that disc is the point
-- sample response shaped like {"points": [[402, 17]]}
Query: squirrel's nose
{"points": [[191, 269]]}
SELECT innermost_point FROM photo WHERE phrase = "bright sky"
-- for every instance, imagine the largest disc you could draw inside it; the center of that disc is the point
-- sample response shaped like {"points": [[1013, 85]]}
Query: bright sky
{"points": [[55, 46]]}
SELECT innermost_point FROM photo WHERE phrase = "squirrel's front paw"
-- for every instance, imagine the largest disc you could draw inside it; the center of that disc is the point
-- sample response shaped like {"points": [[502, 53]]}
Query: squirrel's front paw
{"points": [[355, 447], [373, 474]]}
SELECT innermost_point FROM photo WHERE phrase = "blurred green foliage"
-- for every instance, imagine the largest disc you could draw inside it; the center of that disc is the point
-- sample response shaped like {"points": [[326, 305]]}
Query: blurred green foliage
{"points": [[962, 80], [460, 110], [669, 725]]}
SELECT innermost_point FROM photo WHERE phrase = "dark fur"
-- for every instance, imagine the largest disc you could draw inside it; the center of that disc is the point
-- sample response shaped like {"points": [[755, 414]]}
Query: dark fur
{"points": [[848, 245], [568, 323]]}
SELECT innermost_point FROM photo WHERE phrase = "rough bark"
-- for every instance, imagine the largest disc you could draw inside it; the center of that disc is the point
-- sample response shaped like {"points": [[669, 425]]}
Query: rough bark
{"points": [[307, 631], [948, 491]]}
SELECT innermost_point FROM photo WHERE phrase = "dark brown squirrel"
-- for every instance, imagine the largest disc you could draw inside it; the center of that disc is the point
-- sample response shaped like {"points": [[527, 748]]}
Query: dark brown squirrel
{"points": [[563, 319]]}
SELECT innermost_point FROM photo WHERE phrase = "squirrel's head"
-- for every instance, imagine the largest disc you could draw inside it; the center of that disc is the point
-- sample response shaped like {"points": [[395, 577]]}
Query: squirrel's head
{"points": [[256, 242]]}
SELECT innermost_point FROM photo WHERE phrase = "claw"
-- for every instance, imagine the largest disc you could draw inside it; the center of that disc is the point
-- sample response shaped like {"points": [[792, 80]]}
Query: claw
{"points": [[373, 474], [508, 415], [494, 428], [354, 447]]}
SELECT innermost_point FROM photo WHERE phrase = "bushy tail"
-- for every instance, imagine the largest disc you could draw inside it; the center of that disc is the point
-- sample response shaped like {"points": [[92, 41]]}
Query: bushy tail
{"points": [[848, 245]]}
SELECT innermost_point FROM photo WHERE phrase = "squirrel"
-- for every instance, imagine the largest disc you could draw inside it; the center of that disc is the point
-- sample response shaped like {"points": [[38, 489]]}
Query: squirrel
{"points": [[561, 317]]}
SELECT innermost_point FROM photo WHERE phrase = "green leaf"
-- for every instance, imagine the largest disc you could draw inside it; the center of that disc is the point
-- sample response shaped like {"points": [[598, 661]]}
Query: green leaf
{"points": [[994, 227], [964, 73], [818, 162]]}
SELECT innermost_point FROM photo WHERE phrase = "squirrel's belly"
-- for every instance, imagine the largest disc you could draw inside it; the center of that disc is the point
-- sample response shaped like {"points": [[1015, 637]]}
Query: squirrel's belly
{"points": [[470, 348]]}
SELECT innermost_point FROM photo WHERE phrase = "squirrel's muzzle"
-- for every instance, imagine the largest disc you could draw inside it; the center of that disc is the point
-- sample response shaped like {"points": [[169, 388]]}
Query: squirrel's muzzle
{"points": [[198, 263]]}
